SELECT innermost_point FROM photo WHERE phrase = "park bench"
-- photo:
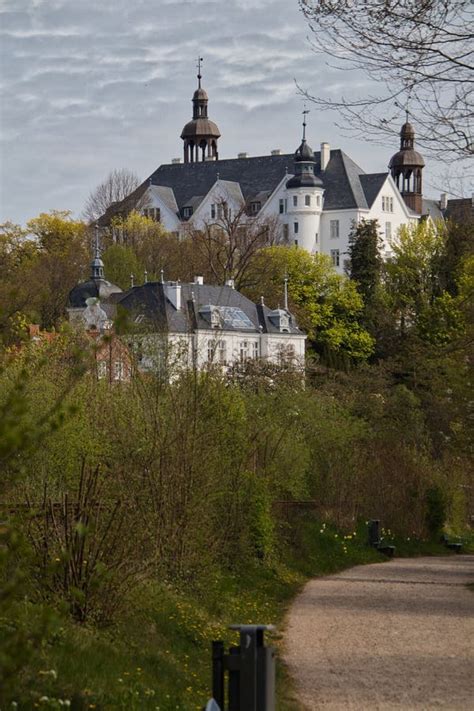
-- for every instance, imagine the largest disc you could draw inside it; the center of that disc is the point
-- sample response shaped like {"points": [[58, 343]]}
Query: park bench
{"points": [[376, 541], [452, 545]]}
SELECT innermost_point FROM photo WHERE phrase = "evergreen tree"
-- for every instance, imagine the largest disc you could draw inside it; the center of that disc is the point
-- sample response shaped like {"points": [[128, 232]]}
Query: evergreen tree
{"points": [[365, 260]]}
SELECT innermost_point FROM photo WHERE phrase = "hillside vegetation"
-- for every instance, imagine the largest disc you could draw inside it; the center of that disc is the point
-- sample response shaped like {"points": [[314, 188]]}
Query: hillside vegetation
{"points": [[140, 519]]}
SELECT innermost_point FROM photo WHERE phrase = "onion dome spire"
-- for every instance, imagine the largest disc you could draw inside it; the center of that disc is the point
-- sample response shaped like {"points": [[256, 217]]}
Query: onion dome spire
{"points": [[406, 168], [304, 163], [201, 134]]}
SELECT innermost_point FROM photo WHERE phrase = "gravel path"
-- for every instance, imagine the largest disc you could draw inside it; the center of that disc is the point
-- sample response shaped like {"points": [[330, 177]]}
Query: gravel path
{"points": [[395, 635]]}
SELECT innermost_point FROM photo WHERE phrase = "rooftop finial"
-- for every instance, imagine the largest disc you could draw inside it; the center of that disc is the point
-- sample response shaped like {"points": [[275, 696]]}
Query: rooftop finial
{"points": [[305, 111], [407, 114], [199, 75], [146, 276], [132, 280], [285, 303], [97, 265], [162, 276], [97, 243]]}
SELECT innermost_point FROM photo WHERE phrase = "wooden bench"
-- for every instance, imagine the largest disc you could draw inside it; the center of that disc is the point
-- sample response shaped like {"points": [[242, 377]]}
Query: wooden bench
{"points": [[452, 545], [376, 541]]}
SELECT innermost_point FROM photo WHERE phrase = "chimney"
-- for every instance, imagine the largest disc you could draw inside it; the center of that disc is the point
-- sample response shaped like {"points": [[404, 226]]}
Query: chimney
{"points": [[443, 201], [277, 152], [242, 155], [173, 293], [325, 155], [175, 161], [199, 280], [231, 283]]}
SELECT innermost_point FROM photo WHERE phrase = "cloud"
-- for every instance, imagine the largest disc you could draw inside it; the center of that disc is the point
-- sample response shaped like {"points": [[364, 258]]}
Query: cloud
{"points": [[91, 86]]}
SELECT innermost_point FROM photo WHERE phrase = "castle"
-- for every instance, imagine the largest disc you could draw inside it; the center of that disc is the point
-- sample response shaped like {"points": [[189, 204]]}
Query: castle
{"points": [[314, 197]]}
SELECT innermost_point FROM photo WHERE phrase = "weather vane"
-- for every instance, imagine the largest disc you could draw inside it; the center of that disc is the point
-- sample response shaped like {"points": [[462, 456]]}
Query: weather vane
{"points": [[200, 59], [304, 112]]}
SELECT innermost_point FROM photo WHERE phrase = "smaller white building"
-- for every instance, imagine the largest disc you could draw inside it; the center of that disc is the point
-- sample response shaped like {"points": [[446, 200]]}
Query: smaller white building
{"points": [[201, 326]]}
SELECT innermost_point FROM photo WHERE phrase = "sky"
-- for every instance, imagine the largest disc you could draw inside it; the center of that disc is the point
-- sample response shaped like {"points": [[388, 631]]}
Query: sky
{"points": [[88, 86]]}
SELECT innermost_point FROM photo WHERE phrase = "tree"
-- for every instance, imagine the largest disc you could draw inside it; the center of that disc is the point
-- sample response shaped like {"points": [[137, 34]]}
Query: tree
{"points": [[120, 262], [365, 260], [419, 53], [117, 185], [63, 257], [229, 244], [412, 276], [327, 305]]}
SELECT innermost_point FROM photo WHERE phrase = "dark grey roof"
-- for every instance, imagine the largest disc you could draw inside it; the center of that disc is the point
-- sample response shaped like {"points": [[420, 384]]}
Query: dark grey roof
{"points": [[149, 300], [431, 208], [97, 288], [371, 185], [341, 180]]}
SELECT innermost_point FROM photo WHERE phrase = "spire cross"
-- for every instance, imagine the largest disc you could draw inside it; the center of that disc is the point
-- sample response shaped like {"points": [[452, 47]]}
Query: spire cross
{"points": [[304, 112], [407, 114], [199, 76]]}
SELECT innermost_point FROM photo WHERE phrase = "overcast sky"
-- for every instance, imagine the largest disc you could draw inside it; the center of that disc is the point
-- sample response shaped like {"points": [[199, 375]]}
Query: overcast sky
{"points": [[93, 85]]}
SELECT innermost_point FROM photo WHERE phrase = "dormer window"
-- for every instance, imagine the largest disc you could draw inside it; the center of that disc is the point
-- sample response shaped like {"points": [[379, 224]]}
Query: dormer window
{"points": [[187, 211], [255, 207], [280, 319]]}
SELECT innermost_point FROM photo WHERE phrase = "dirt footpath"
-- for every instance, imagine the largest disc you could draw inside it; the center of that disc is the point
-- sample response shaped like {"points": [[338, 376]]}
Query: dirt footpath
{"points": [[395, 635]]}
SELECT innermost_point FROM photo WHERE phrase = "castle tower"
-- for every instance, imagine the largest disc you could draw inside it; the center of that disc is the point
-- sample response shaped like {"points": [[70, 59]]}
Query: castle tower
{"points": [[304, 198], [200, 135], [406, 168]]}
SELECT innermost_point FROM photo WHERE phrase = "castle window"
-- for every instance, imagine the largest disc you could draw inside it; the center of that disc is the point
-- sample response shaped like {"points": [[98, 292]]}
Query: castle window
{"points": [[296, 228], [388, 230], [222, 352], [335, 257], [296, 242], [285, 233], [282, 206], [102, 369], [316, 237], [153, 213], [295, 200], [222, 211], [307, 200], [255, 352], [213, 211], [318, 200], [244, 351], [334, 229], [211, 348], [119, 370], [387, 203]]}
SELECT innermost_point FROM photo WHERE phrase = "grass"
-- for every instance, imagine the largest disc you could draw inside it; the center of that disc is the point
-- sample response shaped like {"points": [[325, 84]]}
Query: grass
{"points": [[157, 655]]}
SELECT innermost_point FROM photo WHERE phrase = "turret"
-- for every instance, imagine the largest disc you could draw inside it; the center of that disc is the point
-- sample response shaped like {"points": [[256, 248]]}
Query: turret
{"points": [[406, 168], [304, 198]]}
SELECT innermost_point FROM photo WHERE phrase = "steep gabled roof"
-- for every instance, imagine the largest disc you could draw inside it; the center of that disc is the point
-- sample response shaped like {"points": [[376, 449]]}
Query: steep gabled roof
{"points": [[371, 185], [150, 301], [261, 174]]}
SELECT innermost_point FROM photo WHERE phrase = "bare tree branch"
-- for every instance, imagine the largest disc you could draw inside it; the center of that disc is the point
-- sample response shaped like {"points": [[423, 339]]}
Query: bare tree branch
{"points": [[421, 55], [118, 184]]}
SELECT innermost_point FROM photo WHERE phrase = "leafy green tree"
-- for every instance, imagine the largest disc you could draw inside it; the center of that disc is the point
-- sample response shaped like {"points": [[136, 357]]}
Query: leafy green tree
{"points": [[120, 262], [412, 276], [63, 260], [327, 305]]}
